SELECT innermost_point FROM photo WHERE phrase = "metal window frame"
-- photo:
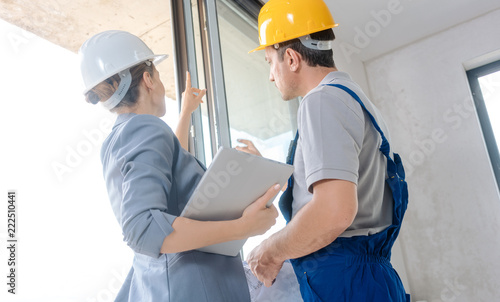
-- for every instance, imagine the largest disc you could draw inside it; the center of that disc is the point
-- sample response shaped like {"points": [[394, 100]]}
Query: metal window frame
{"points": [[217, 101], [473, 76], [185, 59], [215, 73]]}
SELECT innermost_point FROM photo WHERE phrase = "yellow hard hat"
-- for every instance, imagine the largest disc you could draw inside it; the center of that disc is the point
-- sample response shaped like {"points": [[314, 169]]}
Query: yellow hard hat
{"points": [[283, 20]]}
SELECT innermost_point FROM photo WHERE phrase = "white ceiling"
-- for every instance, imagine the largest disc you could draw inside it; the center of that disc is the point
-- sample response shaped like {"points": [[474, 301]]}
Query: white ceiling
{"points": [[416, 19]]}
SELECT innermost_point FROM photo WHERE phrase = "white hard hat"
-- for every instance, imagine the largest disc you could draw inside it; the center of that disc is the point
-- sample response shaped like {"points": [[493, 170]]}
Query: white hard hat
{"points": [[112, 52]]}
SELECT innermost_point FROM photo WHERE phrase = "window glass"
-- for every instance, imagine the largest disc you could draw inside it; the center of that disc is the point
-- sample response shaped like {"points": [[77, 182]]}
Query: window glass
{"points": [[490, 88], [255, 108]]}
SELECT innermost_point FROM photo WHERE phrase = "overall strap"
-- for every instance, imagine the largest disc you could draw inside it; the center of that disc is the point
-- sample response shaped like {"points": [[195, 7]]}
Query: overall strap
{"points": [[291, 155], [291, 149], [285, 202], [384, 147]]}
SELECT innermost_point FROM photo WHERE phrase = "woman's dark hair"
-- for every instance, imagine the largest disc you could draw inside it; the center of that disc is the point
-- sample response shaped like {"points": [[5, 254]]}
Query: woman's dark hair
{"points": [[106, 88], [312, 57]]}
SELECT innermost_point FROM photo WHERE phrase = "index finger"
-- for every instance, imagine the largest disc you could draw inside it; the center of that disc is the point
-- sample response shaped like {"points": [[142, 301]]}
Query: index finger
{"points": [[188, 80]]}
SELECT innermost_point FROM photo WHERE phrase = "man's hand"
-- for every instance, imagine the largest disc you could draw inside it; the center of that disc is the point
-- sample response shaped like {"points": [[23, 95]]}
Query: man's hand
{"points": [[263, 266], [330, 212], [249, 148]]}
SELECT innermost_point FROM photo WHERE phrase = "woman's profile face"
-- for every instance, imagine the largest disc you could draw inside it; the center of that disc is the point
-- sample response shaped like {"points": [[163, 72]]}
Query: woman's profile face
{"points": [[158, 94]]}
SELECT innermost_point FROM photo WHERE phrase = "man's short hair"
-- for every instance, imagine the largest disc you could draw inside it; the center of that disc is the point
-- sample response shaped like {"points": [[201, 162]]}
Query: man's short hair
{"points": [[312, 57]]}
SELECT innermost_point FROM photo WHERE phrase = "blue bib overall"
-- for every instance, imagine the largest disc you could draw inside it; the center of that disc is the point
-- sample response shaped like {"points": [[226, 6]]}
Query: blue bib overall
{"points": [[354, 268]]}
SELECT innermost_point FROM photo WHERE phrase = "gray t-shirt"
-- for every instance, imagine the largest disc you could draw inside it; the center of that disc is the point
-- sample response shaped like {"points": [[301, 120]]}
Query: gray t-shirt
{"points": [[337, 140]]}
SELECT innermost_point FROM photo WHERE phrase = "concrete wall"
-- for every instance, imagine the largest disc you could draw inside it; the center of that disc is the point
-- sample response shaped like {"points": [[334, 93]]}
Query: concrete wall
{"points": [[350, 64], [450, 242]]}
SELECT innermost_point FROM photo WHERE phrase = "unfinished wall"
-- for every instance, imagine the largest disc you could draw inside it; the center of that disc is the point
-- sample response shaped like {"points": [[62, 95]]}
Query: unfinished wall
{"points": [[350, 64], [450, 238]]}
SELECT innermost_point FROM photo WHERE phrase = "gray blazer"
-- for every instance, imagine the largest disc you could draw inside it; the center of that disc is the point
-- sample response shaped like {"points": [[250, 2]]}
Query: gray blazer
{"points": [[149, 178]]}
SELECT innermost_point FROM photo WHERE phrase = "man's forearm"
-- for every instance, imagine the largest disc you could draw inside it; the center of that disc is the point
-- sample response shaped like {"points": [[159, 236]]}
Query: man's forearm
{"points": [[318, 223]]}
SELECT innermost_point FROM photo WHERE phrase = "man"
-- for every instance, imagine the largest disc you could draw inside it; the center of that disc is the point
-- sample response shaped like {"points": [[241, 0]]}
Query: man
{"points": [[342, 216]]}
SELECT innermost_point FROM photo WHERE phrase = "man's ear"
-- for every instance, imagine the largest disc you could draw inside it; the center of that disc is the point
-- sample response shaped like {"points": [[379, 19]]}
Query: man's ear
{"points": [[293, 59]]}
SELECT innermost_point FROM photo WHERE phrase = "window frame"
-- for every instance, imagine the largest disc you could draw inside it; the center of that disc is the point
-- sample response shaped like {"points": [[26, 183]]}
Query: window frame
{"points": [[473, 76]]}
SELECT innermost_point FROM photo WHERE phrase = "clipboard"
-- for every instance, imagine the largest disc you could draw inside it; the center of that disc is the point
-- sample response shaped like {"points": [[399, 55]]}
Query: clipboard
{"points": [[233, 181]]}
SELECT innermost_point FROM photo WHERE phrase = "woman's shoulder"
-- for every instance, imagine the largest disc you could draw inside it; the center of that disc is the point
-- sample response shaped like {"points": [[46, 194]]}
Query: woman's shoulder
{"points": [[141, 130], [138, 120], [146, 123]]}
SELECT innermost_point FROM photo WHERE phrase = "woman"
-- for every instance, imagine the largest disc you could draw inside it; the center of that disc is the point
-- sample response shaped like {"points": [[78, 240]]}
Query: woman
{"points": [[149, 177]]}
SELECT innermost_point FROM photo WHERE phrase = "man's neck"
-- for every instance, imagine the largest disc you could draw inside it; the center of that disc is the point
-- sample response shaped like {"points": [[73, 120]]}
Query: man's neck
{"points": [[312, 76]]}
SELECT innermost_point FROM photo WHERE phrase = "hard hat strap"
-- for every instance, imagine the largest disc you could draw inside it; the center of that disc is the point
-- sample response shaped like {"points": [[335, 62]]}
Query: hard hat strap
{"points": [[121, 91], [311, 43]]}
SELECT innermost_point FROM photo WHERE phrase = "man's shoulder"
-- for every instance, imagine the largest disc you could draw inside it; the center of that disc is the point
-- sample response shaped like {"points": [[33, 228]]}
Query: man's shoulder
{"points": [[324, 93], [332, 101]]}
